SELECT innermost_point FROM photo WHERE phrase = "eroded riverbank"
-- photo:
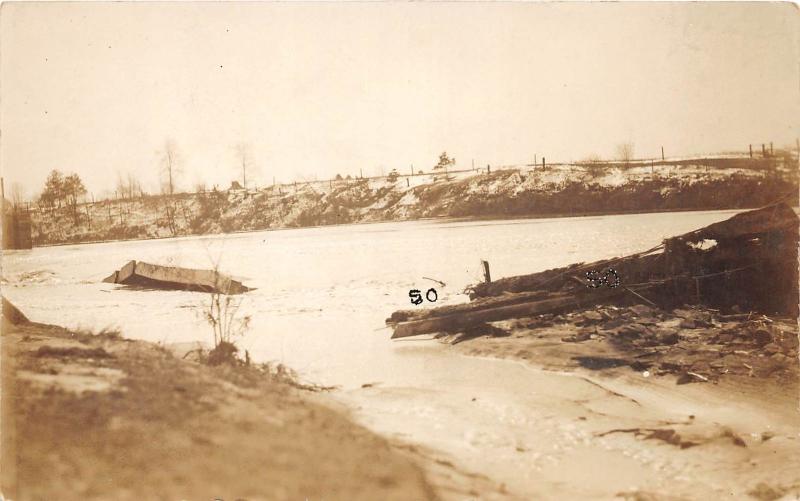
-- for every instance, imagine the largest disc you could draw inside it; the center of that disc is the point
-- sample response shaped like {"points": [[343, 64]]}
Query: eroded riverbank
{"points": [[95, 416]]}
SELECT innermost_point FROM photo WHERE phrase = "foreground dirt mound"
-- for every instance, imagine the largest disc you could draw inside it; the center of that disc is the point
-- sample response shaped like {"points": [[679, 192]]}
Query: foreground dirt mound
{"points": [[99, 417]]}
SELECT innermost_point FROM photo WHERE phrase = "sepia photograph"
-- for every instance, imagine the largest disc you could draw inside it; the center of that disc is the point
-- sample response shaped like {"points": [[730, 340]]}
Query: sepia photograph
{"points": [[412, 251]]}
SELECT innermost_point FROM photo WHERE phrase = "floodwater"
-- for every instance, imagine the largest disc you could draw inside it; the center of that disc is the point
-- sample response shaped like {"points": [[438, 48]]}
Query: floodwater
{"points": [[322, 294], [321, 298]]}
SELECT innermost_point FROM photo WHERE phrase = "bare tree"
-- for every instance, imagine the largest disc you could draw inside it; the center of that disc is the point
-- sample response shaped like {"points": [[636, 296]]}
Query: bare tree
{"points": [[169, 165], [170, 169], [120, 188], [245, 162], [17, 194], [244, 156], [625, 152], [134, 186]]}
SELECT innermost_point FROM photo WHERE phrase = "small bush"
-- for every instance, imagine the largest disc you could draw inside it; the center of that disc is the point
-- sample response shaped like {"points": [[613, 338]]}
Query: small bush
{"points": [[224, 353]]}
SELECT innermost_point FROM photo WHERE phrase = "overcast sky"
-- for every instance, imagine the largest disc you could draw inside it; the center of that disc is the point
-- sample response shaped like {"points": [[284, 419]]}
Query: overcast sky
{"points": [[322, 89]]}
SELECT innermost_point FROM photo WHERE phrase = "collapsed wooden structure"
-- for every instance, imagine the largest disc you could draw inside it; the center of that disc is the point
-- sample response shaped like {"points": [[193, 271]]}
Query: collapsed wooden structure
{"points": [[748, 261], [153, 276]]}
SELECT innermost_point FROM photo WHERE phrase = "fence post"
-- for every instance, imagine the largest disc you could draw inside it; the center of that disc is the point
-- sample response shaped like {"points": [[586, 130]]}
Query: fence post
{"points": [[487, 277], [662, 154]]}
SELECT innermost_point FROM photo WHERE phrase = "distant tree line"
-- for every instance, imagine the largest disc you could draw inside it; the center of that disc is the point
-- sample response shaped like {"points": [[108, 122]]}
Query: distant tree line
{"points": [[128, 187]]}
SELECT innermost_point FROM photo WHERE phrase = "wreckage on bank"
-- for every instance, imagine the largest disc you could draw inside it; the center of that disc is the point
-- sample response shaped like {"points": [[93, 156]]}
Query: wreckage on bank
{"points": [[746, 263]]}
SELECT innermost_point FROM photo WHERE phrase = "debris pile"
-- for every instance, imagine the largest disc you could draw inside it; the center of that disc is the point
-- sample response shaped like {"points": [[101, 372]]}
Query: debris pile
{"points": [[695, 306], [748, 262], [697, 344]]}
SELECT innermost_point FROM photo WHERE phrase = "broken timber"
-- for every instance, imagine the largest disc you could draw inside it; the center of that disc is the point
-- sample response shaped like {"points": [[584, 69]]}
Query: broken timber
{"points": [[759, 246], [153, 276], [475, 313]]}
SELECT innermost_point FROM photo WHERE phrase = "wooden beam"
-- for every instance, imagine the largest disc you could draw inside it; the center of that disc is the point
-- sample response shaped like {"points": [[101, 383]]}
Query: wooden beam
{"points": [[478, 304], [452, 323]]}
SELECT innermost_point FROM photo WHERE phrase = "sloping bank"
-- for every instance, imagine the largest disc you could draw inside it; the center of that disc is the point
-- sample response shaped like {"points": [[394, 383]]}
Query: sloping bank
{"points": [[507, 193], [100, 417]]}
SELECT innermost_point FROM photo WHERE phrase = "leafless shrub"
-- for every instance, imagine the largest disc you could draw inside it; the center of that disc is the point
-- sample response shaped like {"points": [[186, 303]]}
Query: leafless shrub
{"points": [[625, 152], [222, 314], [280, 373], [128, 187], [594, 165], [85, 333]]}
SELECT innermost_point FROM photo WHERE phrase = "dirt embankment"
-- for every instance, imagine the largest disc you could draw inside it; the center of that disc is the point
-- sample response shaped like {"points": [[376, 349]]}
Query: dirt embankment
{"points": [[100, 417], [516, 192]]}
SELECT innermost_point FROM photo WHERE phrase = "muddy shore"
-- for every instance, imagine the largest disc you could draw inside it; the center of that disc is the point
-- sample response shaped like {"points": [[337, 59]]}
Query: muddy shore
{"points": [[95, 416], [693, 344], [715, 396]]}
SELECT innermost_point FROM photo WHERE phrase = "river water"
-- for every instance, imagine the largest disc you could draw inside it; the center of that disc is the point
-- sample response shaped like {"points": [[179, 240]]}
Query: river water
{"points": [[322, 294], [321, 298]]}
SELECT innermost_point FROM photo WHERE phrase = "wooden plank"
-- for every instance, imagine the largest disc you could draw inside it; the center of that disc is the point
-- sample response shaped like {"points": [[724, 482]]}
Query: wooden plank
{"points": [[478, 304], [451, 323]]}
